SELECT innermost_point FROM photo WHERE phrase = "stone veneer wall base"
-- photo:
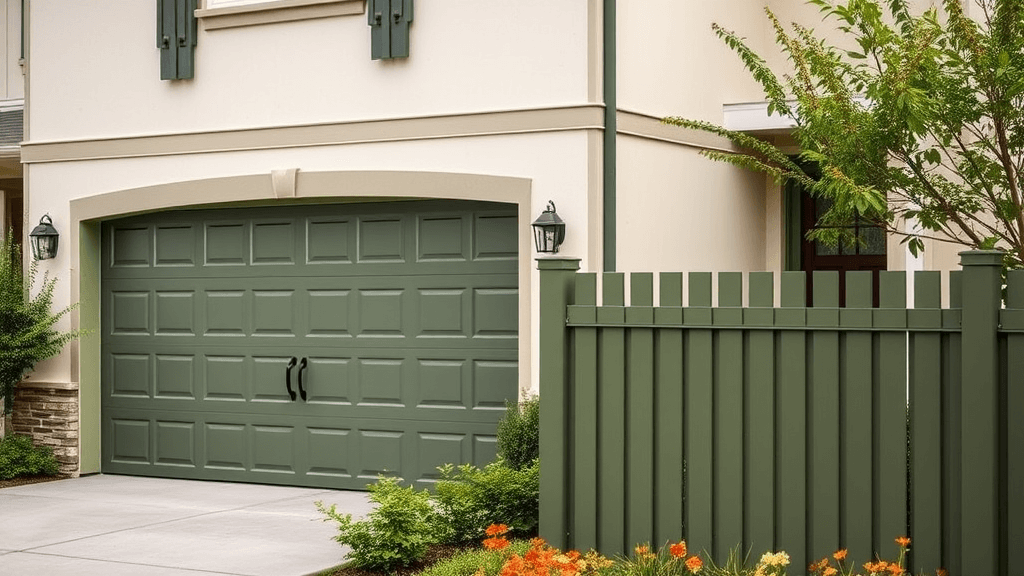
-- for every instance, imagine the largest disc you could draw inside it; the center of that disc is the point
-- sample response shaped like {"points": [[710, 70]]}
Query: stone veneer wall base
{"points": [[50, 415]]}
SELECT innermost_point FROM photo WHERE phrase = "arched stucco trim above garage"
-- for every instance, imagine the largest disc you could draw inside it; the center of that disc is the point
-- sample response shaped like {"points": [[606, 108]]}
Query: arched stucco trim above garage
{"points": [[261, 190]]}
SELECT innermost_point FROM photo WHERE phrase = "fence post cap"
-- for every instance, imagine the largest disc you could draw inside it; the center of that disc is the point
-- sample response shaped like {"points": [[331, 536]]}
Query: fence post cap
{"points": [[558, 263], [981, 258]]}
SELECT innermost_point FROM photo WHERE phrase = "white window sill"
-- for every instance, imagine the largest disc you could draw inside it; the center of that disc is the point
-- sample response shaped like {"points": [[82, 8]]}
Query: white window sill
{"points": [[267, 12]]}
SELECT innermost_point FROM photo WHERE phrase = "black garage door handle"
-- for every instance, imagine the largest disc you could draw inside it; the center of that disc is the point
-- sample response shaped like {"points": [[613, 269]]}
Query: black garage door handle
{"points": [[302, 391], [288, 378]]}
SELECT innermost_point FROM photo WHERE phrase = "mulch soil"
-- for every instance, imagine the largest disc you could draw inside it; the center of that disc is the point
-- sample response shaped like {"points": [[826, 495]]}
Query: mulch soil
{"points": [[23, 480], [435, 554]]}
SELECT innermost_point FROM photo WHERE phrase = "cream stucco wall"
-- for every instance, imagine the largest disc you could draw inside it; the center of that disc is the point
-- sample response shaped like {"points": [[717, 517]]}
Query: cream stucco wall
{"points": [[96, 69], [677, 211]]}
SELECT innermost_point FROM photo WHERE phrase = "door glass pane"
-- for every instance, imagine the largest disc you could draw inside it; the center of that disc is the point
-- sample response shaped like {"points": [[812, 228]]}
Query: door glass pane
{"points": [[874, 241], [823, 249]]}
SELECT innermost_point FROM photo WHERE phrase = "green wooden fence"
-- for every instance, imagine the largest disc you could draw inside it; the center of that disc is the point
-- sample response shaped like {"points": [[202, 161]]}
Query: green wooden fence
{"points": [[786, 428]]}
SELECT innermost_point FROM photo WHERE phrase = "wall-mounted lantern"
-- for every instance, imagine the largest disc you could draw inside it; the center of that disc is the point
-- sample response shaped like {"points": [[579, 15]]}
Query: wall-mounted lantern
{"points": [[44, 239], [549, 230]]}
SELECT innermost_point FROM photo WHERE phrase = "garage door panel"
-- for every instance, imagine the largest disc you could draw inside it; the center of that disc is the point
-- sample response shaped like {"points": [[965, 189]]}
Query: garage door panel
{"points": [[337, 240], [464, 311], [330, 452], [406, 315], [422, 384]]}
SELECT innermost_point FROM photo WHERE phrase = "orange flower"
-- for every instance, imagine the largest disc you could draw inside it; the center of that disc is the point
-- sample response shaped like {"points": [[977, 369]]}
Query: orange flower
{"points": [[903, 541], [642, 550], [895, 569], [678, 550], [496, 529], [840, 554], [941, 572], [694, 564], [496, 543], [876, 567], [830, 571]]}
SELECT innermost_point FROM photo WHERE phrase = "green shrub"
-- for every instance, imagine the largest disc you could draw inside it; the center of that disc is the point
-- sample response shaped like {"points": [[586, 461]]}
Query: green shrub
{"points": [[519, 433], [396, 533], [469, 562], [18, 457], [27, 322], [468, 499]]}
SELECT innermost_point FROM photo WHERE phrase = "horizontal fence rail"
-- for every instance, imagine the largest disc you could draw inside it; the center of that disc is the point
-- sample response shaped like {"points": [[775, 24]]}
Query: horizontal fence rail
{"points": [[732, 421]]}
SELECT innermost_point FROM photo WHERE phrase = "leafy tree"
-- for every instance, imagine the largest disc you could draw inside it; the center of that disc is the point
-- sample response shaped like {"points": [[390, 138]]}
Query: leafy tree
{"points": [[922, 119], [27, 333]]}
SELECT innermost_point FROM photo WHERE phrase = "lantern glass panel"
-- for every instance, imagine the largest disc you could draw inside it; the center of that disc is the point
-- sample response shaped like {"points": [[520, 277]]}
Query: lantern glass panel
{"points": [[44, 247]]}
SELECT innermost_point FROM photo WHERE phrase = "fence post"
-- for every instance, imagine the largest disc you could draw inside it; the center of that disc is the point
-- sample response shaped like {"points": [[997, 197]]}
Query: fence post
{"points": [[979, 470], [557, 286]]}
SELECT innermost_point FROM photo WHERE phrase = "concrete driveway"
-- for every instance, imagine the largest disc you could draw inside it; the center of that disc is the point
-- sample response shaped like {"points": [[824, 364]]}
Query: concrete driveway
{"points": [[121, 525]]}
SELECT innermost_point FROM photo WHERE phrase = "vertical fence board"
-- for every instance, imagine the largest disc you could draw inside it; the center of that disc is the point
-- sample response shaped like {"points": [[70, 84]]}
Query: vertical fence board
{"points": [[728, 416], [585, 419], [640, 432], [823, 428], [698, 433], [759, 427], [952, 417], [791, 408], [926, 432], [891, 423], [668, 399], [856, 417], [611, 486]]}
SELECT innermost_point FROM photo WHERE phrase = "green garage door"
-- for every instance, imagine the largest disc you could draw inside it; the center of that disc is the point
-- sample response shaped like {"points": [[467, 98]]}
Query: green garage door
{"points": [[400, 319]]}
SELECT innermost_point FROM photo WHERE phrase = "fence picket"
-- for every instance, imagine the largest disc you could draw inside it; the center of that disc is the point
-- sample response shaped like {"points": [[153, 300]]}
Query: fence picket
{"points": [[891, 416], [611, 486], [791, 408], [729, 422], [926, 431], [668, 399], [856, 451], [698, 436], [952, 438], [760, 424], [823, 428], [585, 419], [640, 398]]}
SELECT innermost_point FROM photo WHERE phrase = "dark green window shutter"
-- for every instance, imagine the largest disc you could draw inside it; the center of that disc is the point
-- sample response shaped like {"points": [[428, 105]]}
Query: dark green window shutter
{"points": [[389, 28], [176, 32]]}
